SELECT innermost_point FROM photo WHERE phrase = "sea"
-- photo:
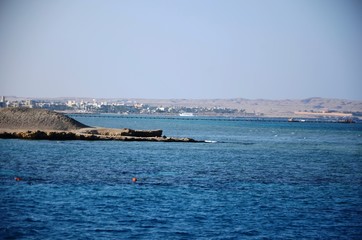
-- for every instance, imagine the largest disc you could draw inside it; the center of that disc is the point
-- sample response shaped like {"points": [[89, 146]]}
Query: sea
{"points": [[248, 179]]}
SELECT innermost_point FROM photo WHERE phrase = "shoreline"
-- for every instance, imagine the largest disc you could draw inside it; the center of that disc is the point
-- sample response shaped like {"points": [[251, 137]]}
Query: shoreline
{"points": [[305, 118], [92, 134]]}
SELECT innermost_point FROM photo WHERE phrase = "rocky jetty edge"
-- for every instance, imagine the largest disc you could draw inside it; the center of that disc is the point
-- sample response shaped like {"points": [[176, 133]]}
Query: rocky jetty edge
{"points": [[40, 124]]}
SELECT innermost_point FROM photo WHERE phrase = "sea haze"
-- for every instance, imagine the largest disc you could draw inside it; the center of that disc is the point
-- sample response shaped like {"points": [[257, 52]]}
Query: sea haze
{"points": [[252, 180]]}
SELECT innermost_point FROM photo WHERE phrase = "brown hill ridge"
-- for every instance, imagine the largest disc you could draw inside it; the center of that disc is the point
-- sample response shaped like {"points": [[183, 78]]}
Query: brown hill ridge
{"points": [[27, 123]]}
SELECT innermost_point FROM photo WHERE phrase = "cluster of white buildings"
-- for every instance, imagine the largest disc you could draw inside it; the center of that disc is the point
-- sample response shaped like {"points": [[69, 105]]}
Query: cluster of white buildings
{"points": [[71, 105], [116, 106]]}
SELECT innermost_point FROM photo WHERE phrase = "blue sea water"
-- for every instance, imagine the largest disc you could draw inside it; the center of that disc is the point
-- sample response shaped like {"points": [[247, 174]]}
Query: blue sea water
{"points": [[253, 180]]}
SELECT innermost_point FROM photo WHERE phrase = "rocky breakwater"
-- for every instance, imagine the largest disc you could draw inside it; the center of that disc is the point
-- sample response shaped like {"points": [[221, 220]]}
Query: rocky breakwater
{"points": [[40, 124]]}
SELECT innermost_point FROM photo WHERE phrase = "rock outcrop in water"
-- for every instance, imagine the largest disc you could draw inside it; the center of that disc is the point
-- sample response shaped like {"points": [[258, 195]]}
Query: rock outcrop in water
{"points": [[26, 123]]}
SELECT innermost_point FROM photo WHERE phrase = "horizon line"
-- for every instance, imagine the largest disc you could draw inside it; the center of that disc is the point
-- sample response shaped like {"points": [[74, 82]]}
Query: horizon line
{"points": [[191, 99]]}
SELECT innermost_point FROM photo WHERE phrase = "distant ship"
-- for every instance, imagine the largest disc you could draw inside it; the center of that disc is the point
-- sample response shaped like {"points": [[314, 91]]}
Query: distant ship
{"points": [[186, 114], [295, 120]]}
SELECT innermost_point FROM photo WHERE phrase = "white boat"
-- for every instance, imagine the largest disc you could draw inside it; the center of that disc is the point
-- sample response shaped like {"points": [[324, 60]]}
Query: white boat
{"points": [[185, 114], [295, 120]]}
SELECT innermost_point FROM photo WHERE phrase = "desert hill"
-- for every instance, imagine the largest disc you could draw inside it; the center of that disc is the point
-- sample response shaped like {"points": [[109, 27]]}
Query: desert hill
{"points": [[269, 108], [40, 119]]}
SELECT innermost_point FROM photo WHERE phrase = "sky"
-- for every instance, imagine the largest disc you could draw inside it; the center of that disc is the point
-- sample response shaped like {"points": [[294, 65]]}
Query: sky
{"points": [[189, 49]]}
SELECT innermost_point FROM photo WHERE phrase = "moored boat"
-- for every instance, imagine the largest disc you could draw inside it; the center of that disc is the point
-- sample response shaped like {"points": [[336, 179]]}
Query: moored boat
{"points": [[186, 114]]}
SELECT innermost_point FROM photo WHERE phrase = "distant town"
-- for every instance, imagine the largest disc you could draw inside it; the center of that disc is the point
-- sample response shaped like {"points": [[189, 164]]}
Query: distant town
{"points": [[237, 107], [117, 106]]}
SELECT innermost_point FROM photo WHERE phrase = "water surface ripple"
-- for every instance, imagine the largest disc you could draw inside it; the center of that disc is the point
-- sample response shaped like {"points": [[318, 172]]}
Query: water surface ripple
{"points": [[258, 180]]}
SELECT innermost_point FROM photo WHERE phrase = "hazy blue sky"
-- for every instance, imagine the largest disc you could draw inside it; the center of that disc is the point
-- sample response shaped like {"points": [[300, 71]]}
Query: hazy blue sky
{"points": [[272, 49]]}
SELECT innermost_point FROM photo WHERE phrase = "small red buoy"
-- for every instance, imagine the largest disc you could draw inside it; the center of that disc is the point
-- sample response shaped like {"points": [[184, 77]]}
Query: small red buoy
{"points": [[134, 179], [17, 179]]}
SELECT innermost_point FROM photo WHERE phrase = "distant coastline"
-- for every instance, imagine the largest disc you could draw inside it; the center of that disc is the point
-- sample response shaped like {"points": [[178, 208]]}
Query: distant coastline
{"points": [[235, 107]]}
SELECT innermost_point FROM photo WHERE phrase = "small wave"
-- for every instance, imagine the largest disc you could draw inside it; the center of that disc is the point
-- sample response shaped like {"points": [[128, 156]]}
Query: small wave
{"points": [[237, 142], [210, 141]]}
